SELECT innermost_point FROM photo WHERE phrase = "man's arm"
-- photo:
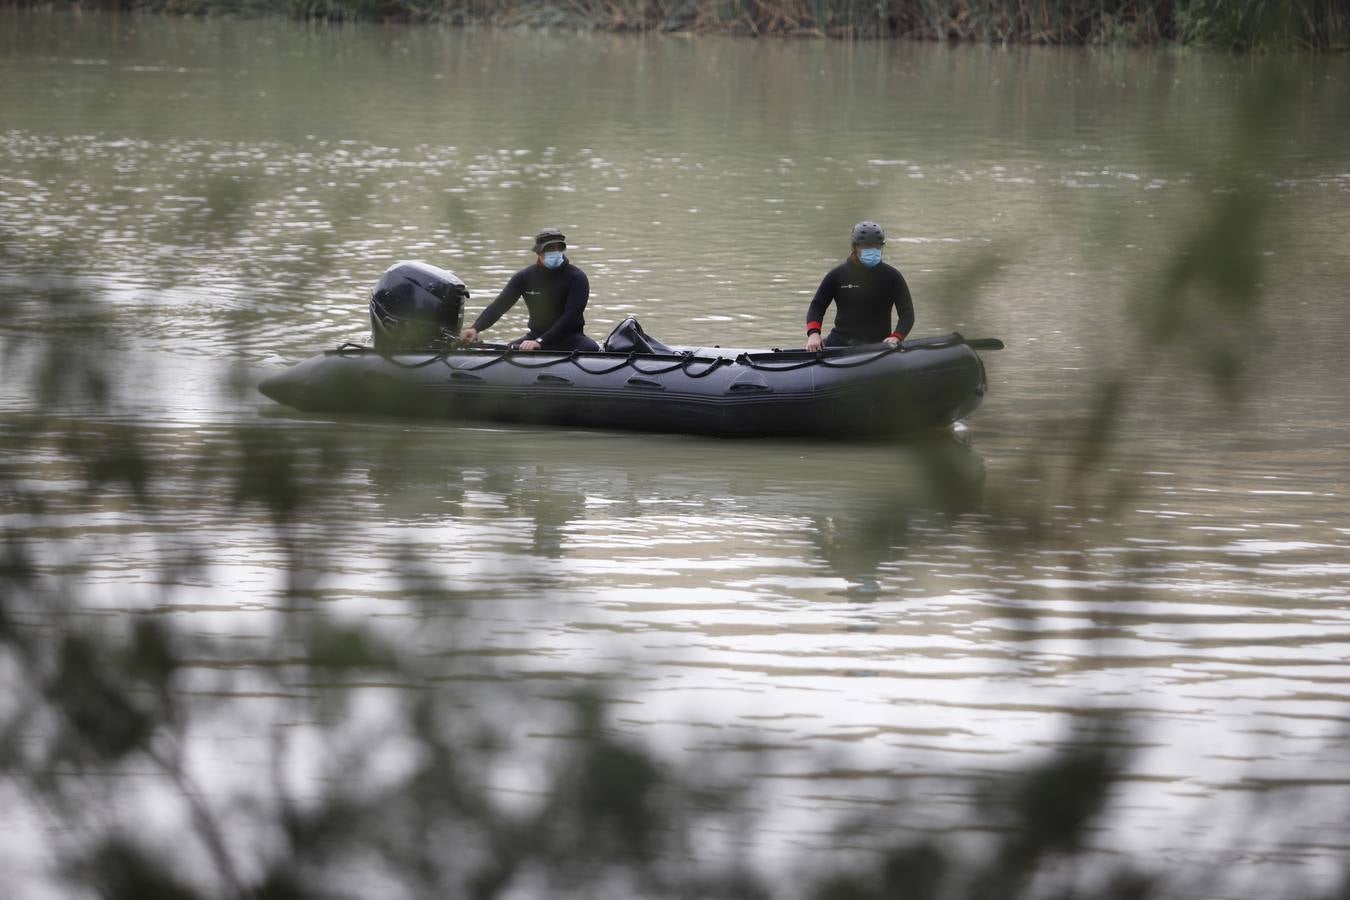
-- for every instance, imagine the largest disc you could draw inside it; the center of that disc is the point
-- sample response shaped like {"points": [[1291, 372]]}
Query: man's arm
{"points": [[815, 313], [505, 300], [904, 308]]}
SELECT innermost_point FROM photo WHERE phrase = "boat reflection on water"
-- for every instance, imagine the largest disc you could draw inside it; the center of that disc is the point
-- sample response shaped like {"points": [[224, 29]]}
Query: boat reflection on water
{"points": [[940, 479], [853, 510]]}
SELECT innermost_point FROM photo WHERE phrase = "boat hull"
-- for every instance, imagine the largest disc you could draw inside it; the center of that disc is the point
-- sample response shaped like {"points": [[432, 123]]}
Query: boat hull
{"points": [[864, 391]]}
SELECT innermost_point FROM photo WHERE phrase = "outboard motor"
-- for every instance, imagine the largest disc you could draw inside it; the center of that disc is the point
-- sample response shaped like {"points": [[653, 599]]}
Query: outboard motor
{"points": [[416, 306]]}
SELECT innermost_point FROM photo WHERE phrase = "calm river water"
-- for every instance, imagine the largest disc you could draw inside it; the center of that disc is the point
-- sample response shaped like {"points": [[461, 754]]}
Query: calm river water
{"points": [[223, 195]]}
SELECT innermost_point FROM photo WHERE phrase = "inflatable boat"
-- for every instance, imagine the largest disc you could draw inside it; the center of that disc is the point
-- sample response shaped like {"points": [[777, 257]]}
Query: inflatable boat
{"points": [[858, 391], [633, 381]]}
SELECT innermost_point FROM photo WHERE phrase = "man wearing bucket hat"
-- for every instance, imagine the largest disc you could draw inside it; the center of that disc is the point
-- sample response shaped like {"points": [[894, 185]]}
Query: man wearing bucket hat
{"points": [[555, 292], [863, 290]]}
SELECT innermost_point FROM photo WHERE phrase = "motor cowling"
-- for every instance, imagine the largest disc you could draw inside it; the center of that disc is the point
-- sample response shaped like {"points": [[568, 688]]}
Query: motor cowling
{"points": [[416, 306]]}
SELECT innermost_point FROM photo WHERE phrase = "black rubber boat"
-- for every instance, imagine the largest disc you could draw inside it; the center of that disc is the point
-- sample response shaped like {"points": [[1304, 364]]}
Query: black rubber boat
{"points": [[861, 391], [633, 382]]}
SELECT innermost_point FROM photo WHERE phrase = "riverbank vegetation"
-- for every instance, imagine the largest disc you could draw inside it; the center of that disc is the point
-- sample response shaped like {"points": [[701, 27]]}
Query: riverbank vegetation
{"points": [[1223, 24]]}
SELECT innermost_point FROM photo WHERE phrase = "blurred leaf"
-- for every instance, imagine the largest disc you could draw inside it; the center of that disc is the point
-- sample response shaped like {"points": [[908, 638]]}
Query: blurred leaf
{"points": [[118, 870], [100, 717]]}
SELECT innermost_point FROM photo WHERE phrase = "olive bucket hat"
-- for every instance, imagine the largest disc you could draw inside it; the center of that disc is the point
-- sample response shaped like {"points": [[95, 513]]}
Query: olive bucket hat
{"points": [[548, 236]]}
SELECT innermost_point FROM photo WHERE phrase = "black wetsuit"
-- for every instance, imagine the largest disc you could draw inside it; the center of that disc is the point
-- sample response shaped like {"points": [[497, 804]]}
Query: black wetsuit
{"points": [[555, 297], [863, 299]]}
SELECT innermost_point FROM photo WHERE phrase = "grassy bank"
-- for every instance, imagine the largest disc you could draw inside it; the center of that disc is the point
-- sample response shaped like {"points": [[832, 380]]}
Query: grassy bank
{"points": [[1226, 24]]}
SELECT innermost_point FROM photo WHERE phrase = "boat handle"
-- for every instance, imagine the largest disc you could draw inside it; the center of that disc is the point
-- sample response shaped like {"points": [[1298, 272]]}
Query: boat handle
{"points": [[465, 376], [640, 382], [546, 378], [743, 386]]}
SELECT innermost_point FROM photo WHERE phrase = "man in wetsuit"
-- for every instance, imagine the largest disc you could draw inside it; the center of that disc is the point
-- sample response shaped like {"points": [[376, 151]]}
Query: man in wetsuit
{"points": [[555, 292], [864, 290]]}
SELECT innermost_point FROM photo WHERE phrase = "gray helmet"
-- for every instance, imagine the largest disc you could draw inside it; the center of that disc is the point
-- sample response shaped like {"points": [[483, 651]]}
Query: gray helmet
{"points": [[548, 236], [868, 233]]}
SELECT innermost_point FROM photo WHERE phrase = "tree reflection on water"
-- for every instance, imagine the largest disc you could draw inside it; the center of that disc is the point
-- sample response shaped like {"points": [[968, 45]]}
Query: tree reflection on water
{"points": [[428, 789]]}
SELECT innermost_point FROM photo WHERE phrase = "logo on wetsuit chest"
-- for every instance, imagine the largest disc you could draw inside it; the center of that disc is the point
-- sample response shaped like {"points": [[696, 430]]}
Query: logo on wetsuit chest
{"points": [[532, 293], [844, 287]]}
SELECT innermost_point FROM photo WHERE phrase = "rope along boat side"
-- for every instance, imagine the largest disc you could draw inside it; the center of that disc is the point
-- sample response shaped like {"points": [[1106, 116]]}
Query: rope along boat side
{"points": [[637, 383]]}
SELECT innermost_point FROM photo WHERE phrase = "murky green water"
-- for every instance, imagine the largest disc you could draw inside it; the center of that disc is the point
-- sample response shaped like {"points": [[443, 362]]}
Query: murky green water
{"points": [[225, 193]]}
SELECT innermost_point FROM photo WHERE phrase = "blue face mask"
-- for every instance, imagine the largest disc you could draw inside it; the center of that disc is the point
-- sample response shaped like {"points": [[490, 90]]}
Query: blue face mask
{"points": [[553, 259], [870, 256]]}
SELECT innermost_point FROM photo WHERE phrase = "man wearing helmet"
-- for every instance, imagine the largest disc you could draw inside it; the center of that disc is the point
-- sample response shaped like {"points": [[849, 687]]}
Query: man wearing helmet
{"points": [[555, 292], [864, 290]]}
